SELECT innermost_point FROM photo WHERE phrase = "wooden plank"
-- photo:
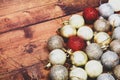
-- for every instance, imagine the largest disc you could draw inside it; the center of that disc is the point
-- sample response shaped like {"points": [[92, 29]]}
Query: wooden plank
{"points": [[18, 49], [34, 72], [28, 17], [11, 6], [38, 14]]}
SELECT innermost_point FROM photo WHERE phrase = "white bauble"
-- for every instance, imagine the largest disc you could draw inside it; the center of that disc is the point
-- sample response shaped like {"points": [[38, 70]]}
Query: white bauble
{"points": [[116, 33], [105, 76], [110, 59], [76, 21], [114, 20], [78, 74], [59, 72], [93, 68], [94, 51], [102, 38], [67, 31], [57, 56], [115, 4], [79, 58], [115, 46], [105, 10], [85, 32], [101, 25]]}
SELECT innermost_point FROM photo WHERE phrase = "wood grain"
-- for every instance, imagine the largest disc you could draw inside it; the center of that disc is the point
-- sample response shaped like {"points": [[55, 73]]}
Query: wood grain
{"points": [[28, 17], [42, 13], [27, 46], [12, 6]]}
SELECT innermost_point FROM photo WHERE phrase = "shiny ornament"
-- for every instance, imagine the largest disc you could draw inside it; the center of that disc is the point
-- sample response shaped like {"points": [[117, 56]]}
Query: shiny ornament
{"points": [[67, 31], [93, 68], [76, 43], [106, 10], [55, 42], [116, 33], [85, 32], [115, 46], [103, 39], [78, 74], [115, 4], [90, 14], [110, 59], [117, 71], [57, 56], [114, 20], [94, 51], [76, 21], [79, 58], [58, 72], [105, 76], [101, 25]]}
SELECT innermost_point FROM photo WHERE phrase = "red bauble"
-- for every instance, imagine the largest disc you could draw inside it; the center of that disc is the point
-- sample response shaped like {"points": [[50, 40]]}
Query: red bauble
{"points": [[90, 14], [76, 43]]}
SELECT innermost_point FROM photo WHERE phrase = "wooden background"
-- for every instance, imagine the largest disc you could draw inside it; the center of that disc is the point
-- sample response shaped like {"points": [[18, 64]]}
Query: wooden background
{"points": [[25, 26]]}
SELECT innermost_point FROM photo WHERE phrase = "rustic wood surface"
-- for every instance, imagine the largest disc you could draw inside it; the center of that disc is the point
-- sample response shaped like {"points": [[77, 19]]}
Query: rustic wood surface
{"points": [[27, 46], [23, 50], [12, 6], [39, 11]]}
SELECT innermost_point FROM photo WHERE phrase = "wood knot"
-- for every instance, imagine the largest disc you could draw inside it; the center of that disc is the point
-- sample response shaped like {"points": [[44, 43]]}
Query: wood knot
{"points": [[1, 49], [29, 48], [28, 33], [6, 19]]}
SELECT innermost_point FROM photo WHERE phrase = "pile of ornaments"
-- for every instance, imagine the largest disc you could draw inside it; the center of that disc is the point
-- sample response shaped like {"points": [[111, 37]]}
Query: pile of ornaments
{"points": [[91, 51]]}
